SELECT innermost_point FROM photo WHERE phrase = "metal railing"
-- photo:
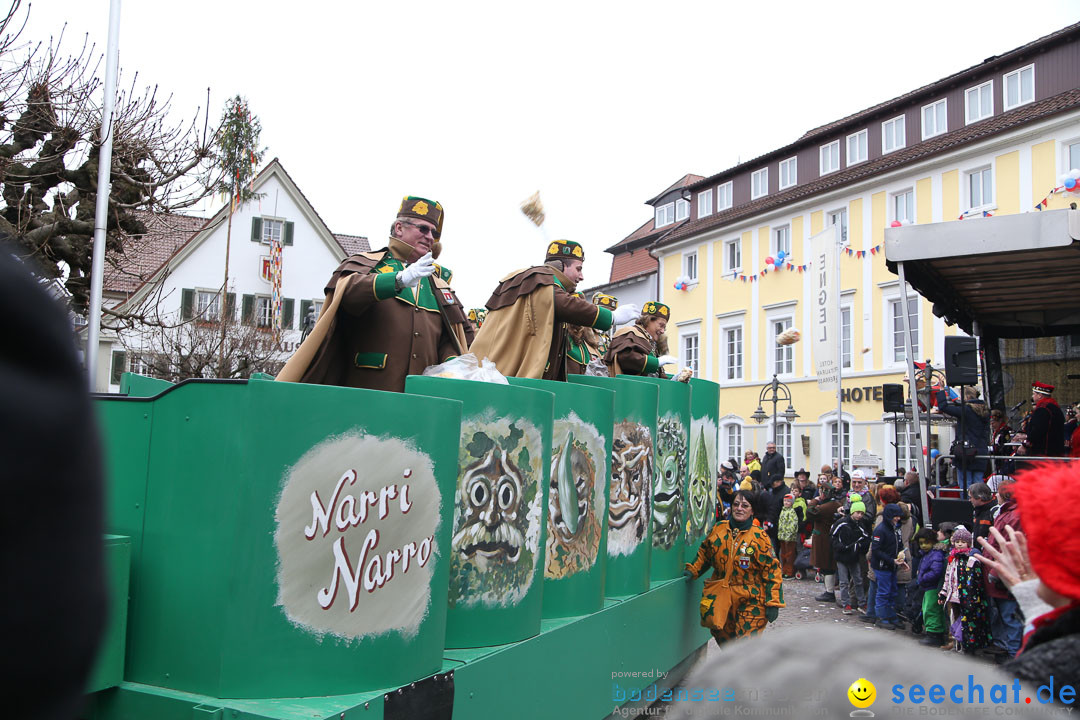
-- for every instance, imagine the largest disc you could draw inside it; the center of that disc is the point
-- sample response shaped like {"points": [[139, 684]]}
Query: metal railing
{"points": [[1013, 458]]}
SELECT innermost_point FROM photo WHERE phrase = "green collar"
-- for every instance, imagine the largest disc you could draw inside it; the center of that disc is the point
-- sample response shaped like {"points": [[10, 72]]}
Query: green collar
{"points": [[744, 525]]}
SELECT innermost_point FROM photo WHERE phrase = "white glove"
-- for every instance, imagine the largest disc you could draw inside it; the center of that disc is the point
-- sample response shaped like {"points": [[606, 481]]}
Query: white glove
{"points": [[624, 314], [667, 360], [422, 268]]}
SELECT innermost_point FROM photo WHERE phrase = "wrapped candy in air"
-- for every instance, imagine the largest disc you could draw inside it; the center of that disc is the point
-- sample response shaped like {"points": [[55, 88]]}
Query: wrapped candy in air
{"points": [[789, 337]]}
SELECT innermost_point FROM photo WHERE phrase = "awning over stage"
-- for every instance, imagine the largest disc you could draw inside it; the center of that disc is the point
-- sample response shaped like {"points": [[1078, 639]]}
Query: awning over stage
{"points": [[1017, 276]]}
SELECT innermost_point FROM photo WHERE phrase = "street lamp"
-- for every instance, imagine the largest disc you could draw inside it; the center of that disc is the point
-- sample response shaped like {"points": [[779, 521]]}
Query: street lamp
{"points": [[775, 392]]}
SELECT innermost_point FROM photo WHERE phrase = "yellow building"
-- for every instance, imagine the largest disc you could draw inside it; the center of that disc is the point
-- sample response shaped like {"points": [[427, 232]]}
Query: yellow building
{"points": [[989, 140]]}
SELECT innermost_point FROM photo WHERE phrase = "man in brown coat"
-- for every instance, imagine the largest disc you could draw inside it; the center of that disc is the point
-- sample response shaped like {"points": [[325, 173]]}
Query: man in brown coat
{"points": [[388, 313], [525, 329], [634, 349]]}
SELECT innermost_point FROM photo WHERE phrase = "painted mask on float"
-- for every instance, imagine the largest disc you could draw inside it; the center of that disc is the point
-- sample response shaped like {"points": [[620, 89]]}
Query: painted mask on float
{"points": [[631, 480], [668, 491], [700, 493], [492, 531]]}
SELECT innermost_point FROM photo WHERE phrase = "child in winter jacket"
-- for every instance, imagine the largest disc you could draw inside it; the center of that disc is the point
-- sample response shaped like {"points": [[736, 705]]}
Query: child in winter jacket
{"points": [[787, 533], [850, 542], [931, 574], [918, 548], [963, 594]]}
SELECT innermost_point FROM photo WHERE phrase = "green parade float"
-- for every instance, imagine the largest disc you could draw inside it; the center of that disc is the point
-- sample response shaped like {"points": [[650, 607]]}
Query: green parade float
{"points": [[464, 549]]}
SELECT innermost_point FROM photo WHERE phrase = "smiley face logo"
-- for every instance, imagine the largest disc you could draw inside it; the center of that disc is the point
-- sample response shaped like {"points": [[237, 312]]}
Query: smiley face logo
{"points": [[862, 693]]}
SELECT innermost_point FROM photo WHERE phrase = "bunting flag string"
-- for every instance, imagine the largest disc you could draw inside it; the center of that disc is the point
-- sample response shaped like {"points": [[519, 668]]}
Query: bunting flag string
{"points": [[791, 267], [972, 213], [1046, 200]]}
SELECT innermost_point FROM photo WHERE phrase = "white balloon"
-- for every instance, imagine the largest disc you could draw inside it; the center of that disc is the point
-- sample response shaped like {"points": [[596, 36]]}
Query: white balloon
{"points": [[1074, 174]]}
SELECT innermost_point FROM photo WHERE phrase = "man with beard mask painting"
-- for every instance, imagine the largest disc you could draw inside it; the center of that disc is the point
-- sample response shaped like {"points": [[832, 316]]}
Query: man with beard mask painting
{"points": [[388, 313]]}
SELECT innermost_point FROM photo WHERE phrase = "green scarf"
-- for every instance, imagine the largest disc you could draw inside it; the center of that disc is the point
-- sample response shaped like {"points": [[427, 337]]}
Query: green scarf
{"points": [[744, 525]]}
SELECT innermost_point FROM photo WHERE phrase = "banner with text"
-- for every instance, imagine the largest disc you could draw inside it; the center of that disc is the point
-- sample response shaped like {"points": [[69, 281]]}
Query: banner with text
{"points": [[826, 324]]}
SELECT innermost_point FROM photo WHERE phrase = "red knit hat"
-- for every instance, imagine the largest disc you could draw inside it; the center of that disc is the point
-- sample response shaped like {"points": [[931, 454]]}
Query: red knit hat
{"points": [[1051, 526]]}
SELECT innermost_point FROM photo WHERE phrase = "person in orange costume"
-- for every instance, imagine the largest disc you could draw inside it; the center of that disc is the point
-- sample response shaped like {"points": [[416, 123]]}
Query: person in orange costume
{"points": [[745, 591]]}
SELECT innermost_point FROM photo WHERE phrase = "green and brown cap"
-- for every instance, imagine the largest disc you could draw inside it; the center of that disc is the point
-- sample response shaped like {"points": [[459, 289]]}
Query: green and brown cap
{"points": [[564, 250], [422, 209], [656, 309], [605, 301]]}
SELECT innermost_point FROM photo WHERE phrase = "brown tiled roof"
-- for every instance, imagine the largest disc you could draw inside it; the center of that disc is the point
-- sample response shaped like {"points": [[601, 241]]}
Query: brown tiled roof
{"points": [[684, 181], [897, 102], [919, 151], [626, 265], [640, 234], [144, 254], [352, 244], [936, 85]]}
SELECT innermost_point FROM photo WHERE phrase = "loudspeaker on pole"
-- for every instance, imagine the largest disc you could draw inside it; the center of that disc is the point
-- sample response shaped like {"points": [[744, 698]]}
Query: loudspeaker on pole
{"points": [[961, 360], [892, 398]]}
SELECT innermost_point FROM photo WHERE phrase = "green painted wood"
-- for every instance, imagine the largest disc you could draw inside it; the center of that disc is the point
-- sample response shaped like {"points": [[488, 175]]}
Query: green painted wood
{"points": [[207, 614], [109, 666], [630, 495], [655, 630], [497, 553], [575, 555], [671, 479], [134, 385], [704, 462]]}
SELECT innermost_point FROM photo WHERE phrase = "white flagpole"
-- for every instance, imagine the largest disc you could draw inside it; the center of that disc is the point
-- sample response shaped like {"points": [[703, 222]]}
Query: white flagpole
{"points": [[97, 269], [840, 354]]}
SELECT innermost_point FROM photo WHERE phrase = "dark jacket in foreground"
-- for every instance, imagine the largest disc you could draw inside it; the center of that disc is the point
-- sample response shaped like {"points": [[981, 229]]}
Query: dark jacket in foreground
{"points": [[1052, 649]]}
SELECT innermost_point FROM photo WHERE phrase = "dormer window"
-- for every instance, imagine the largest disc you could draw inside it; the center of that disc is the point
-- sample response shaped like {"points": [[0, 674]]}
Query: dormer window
{"points": [[665, 214]]}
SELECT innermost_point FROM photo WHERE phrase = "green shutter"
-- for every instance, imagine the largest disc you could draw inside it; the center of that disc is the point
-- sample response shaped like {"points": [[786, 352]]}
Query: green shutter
{"points": [[187, 303], [305, 305], [119, 364], [230, 306], [288, 234], [287, 306], [247, 309], [256, 229]]}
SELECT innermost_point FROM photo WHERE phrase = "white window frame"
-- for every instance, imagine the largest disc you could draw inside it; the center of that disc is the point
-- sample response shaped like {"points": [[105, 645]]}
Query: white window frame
{"points": [[690, 351], [888, 129], [847, 339], [906, 453], [978, 90], [731, 452], [269, 225], [781, 357], [730, 371], [940, 111], [704, 203], [830, 220], [890, 358], [834, 449], [759, 179], [785, 441], [682, 209], [862, 147], [257, 316], [783, 231], [665, 215], [1066, 154], [690, 265], [987, 203], [729, 265], [725, 196], [1019, 73], [790, 169], [207, 305], [829, 150], [894, 198], [138, 365]]}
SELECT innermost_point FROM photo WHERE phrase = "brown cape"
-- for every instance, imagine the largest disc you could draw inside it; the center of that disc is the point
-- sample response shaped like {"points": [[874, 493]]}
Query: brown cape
{"points": [[629, 350], [318, 359], [517, 333]]}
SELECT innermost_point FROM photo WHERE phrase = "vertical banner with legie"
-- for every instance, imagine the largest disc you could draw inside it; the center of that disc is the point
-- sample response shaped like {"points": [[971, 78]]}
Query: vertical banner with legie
{"points": [[825, 290]]}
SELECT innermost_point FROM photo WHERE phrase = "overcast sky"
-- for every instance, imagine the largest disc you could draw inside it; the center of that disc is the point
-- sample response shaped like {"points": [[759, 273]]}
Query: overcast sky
{"points": [[599, 105]]}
